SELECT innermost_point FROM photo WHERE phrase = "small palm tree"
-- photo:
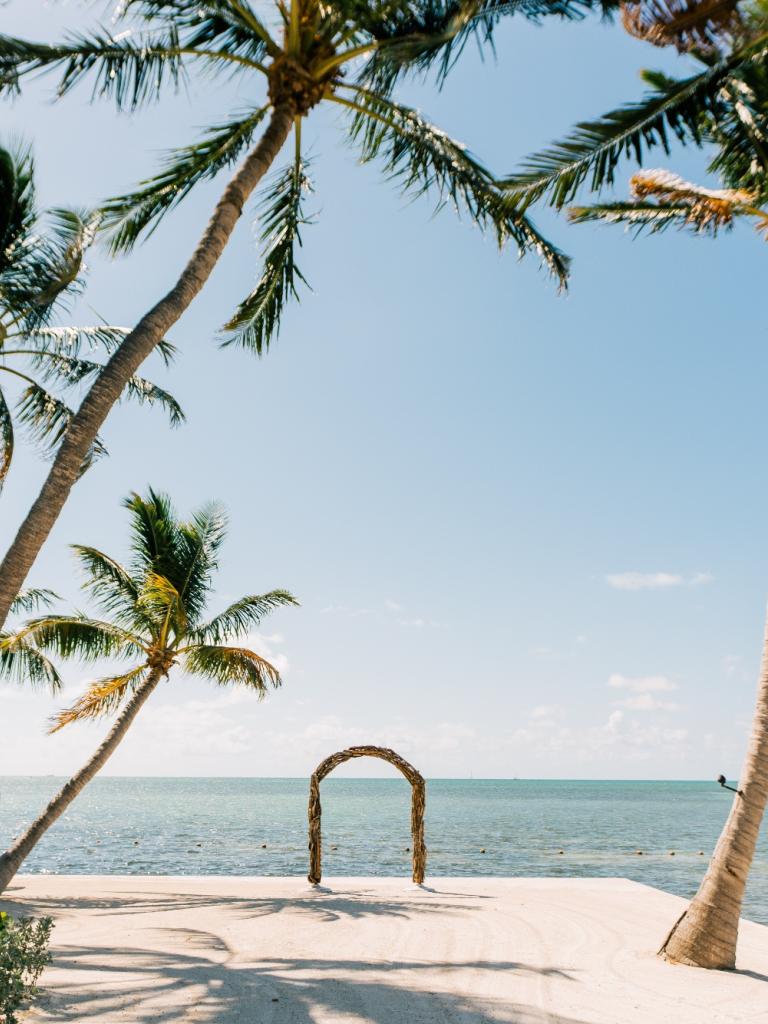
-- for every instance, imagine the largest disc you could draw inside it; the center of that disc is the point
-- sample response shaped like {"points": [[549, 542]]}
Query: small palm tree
{"points": [[290, 57], [154, 610], [39, 270]]}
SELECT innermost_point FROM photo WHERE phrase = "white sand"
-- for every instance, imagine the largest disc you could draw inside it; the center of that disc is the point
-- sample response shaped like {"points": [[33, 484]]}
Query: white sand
{"points": [[472, 951]]}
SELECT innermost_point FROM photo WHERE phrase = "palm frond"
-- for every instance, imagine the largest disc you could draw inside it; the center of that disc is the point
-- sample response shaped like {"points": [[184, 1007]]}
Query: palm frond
{"points": [[420, 36], [101, 698], [679, 109], [32, 599], [241, 616], [20, 660], [663, 200], [46, 418], [199, 542], [232, 665], [740, 135], [43, 267], [154, 535], [229, 25], [131, 69], [146, 393], [129, 216], [79, 636], [163, 603], [424, 159], [70, 341], [256, 321], [110, 585], [685, 24], [6, 439], [18, 211]]}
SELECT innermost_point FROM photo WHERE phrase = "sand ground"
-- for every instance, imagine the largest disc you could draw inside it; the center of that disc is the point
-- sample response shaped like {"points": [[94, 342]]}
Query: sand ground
{"points": [[462, 951]]}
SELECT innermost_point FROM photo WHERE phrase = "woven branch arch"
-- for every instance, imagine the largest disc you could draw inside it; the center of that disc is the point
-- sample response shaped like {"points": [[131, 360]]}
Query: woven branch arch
{"points": [[418, 803]]}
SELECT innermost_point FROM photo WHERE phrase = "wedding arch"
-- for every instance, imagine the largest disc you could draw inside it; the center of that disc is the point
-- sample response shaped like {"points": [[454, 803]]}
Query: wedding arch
{"points": [[418, 801]]}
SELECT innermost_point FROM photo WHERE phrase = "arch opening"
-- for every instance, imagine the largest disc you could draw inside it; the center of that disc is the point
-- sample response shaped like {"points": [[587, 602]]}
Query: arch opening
{"points": [[418, 803]]}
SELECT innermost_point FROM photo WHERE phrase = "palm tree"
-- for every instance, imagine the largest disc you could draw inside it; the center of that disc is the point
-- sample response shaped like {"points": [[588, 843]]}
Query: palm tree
{"points": [[41, 263], [300, 54], [154, 620], [725, 106]]}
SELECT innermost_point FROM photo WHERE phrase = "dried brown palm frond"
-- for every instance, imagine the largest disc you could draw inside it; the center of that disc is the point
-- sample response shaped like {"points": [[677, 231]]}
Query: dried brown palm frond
{"points": [[661, 199], [684, 24]]}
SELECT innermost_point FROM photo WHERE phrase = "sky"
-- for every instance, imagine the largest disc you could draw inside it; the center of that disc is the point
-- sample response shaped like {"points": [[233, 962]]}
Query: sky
{"points": [[527, 530]]}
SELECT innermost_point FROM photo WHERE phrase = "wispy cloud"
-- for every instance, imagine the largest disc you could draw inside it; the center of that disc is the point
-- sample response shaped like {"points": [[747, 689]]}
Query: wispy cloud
{"points": [[656, 580], [642, 684]]}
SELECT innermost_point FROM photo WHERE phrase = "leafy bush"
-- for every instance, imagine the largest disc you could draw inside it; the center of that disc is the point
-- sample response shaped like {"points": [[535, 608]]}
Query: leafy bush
{"points": [[23, 955]]}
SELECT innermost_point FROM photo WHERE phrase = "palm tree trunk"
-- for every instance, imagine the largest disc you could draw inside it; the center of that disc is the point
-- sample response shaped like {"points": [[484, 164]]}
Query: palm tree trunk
{"points": [[705, 936], [111, 382], [15, 855]]}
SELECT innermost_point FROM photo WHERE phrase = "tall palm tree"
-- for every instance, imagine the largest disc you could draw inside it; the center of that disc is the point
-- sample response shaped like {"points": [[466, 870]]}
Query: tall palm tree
{"points": [[724, 106], [154, 620], [295, 55], [41, 264]]}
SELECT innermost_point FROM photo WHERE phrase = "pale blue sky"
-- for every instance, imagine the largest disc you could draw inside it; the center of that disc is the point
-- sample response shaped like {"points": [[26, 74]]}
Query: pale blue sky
{"points": [[441, 457]]}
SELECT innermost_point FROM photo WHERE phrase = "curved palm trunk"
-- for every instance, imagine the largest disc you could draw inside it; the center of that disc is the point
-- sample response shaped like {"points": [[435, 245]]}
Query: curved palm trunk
{"points": [[705, 936], [13, 858], [111, 382]]}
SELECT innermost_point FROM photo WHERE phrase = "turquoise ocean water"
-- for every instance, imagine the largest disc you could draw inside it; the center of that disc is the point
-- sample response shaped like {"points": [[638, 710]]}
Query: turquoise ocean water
{"points": [[220, 826]]}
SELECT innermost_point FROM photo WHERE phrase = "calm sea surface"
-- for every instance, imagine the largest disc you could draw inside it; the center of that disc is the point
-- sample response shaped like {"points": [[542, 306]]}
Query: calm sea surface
{"points": [[218, 826]]}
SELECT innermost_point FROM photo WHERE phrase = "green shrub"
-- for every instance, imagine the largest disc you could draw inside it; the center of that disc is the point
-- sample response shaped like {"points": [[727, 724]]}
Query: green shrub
{"points": [[23, 955]]}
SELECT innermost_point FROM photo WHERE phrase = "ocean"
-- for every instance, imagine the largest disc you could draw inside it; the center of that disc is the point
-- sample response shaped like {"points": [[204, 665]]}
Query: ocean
{"points": [[182, 826]]}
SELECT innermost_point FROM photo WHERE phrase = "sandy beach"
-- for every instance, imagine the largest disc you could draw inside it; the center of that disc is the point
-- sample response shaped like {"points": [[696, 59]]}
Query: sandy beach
{"points": [[465, 950]]}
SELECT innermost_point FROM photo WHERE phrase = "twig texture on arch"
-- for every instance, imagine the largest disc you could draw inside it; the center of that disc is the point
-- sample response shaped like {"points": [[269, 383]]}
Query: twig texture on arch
{"points": [[418, 802]]}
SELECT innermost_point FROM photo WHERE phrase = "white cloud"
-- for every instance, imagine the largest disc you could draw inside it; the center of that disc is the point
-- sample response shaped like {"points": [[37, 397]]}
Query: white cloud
{"points": [[655, 580], [642, 684], [646, 702], [393, 606]]}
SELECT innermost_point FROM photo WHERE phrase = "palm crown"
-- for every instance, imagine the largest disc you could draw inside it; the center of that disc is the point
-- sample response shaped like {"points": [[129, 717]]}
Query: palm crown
{"points": [[155, 612], [41, 264], [302, 53]]}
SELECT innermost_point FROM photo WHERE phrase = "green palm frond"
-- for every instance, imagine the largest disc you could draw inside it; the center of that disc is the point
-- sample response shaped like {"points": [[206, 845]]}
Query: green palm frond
{"points": [[18, 212], [32, 599], [101, 698], [46, 418], [20, 660], [740, 134], [200, 541], [146, 393], [420, 36], [79, 636], [241, 616], [129, 216], [70, 341], [6, 439], [424, 159], [681, 109], [154, 535], [229, 25], [232, 665], [256, 321], [131, 69], [110, 585]]}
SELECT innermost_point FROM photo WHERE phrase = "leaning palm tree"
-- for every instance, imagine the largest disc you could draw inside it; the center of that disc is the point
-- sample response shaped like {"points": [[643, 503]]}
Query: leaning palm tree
{"points": [[41, 265], [706, 934], [294, 55], [155, 620], [725, 106]]}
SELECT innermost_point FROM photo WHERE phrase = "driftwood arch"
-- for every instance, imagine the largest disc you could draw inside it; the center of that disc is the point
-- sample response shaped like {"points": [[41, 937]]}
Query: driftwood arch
{"points": [[418, 802]]}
